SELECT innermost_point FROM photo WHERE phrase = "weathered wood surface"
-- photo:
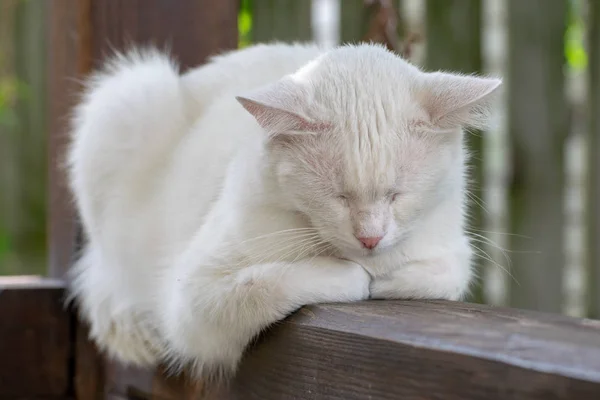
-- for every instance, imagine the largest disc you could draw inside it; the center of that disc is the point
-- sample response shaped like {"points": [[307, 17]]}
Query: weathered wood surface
{"points": [[413, 350], [190, 29], [423, 350], [35, 339], [593, 200], [69, 58], [538, 127], [376, 349]]}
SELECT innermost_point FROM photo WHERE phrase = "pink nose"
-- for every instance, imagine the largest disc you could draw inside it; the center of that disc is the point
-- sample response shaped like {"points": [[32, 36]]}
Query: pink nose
{"points": [[370, 242]]}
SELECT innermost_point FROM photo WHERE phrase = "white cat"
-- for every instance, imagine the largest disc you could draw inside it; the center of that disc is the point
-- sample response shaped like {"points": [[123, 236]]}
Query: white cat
{"points": [[219, 201]]}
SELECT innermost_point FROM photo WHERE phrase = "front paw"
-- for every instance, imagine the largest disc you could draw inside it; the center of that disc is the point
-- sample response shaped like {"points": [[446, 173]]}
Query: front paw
{"points": [[434, 279], [349, 281], [128, 338]]}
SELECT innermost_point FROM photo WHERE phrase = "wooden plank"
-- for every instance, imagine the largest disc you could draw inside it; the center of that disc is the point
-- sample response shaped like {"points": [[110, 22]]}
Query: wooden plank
{"points": [[281, 20], [593, 200], [35, 341], [88, 375], [538, 126], [412, 350], [453, 31], [191, 29], [422, 350], [68, 60]]}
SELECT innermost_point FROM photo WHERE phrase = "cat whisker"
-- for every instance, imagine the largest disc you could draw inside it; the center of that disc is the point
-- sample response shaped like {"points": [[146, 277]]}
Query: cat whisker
{"points": [[477, 200], [487, 241], [468, 230], [486, 256]]}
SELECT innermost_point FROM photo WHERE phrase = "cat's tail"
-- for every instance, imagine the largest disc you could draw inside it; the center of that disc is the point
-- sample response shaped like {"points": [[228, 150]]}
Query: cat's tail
{"points": [[130, 118]]}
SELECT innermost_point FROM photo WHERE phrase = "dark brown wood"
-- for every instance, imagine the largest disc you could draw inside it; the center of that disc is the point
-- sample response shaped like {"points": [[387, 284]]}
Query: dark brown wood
{"points": [[423, 350], [68, 59], [191, 29], [122, 380], [35, 342], [410, 350], [376, 349], [88, 374]]}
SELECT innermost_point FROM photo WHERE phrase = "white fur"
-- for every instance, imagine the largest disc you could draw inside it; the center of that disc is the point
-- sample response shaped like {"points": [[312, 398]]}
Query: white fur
{"points": [[219, 201]]}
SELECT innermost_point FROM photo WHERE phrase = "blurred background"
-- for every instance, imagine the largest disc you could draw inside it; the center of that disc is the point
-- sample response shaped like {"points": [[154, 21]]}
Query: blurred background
{"points": [[534, 188]]}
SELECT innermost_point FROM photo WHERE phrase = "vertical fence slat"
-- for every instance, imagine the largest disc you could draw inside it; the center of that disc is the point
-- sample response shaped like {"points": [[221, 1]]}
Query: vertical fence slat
{"points": [[538, 126], [353, 20], [68, 58], [7, 157], [281, 20], [593, 201], [28, 239], [453, 33]]}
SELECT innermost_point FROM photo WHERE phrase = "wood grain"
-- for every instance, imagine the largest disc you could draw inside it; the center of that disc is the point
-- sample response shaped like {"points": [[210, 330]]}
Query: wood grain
{"points": [[68, 60], [375, 349], [411, 350], [88, 373], [35, 345], [191, 29], [423, 350]]}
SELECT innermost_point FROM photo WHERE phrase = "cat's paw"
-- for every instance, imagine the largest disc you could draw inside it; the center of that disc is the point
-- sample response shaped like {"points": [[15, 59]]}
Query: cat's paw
{"points": [[439, 279], [343, 281], [128, 339]]}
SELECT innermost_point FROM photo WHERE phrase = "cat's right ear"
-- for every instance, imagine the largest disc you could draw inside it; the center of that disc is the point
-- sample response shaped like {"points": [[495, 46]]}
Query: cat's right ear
{"points": [[454, 101], [280, 108]]}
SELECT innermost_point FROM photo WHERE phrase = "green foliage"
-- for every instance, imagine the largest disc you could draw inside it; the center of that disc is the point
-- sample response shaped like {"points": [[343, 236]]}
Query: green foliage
{"points": [[575, 52], [8, 93], [244, 23], [4, 246]]}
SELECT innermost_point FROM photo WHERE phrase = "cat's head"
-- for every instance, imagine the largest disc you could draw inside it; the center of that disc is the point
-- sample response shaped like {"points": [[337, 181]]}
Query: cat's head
{"points": [[366, 145]]}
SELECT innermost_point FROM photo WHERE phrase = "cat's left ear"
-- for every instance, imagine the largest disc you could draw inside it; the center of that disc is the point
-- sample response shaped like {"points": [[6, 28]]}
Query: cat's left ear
{"points": [[280, 108], [454, 101]]}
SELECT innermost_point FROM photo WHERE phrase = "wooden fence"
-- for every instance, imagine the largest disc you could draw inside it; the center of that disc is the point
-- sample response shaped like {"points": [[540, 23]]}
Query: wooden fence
{"points": [[377, 349]]}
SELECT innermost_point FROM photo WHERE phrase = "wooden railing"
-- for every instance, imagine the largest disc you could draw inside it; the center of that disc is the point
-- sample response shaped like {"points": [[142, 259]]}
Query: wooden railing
{"points": [[371, 350]]}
